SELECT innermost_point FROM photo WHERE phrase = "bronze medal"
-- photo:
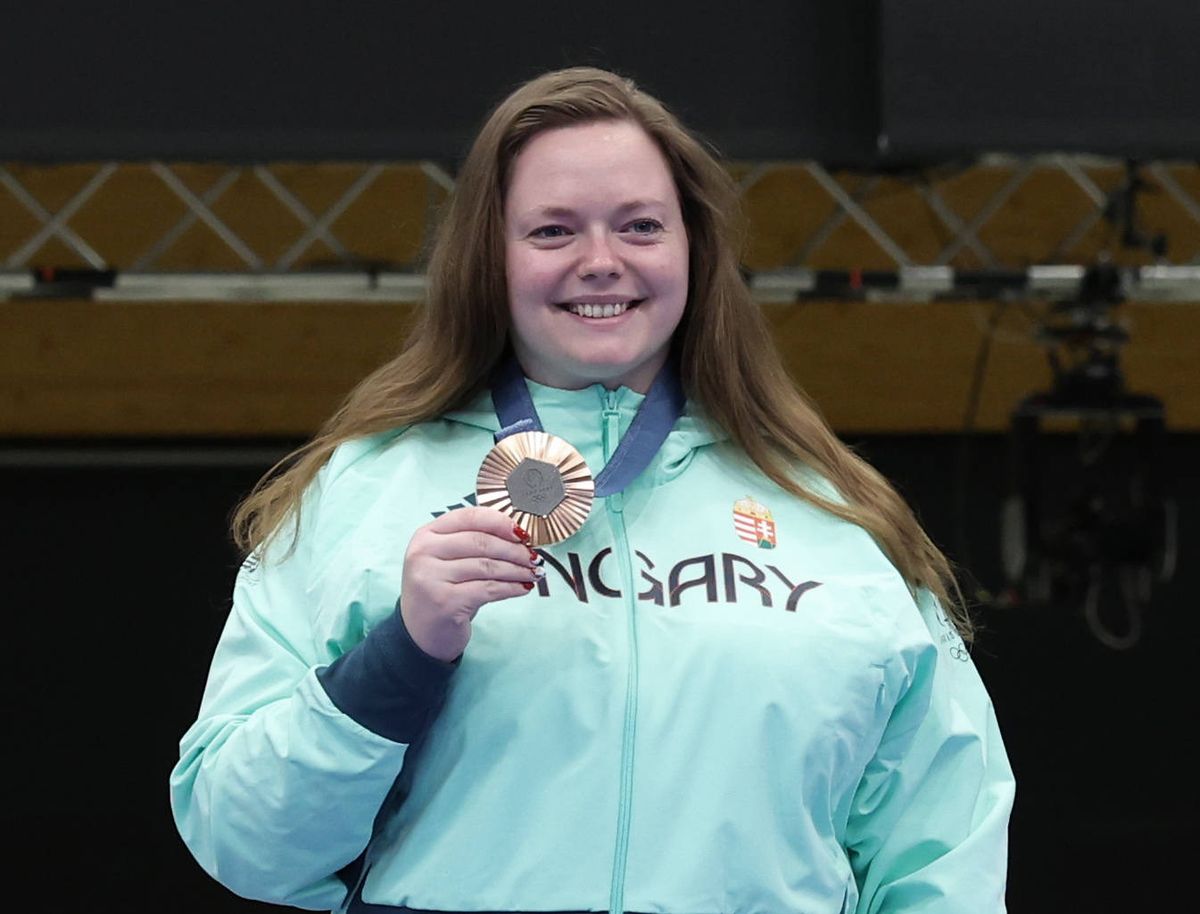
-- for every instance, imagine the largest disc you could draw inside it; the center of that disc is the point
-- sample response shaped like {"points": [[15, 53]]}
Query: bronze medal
{"points": [[541, 482]]}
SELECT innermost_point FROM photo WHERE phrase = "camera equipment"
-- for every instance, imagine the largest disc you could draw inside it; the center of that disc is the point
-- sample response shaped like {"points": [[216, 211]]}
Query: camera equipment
{"points": [[1089, 523]]}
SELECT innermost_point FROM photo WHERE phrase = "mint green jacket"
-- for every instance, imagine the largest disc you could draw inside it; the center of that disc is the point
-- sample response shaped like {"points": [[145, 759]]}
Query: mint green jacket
{"points": [[702, 709]]}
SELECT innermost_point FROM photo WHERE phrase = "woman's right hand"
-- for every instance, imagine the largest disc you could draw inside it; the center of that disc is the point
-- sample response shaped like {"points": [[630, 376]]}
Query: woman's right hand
{"points": [[454, 565]]}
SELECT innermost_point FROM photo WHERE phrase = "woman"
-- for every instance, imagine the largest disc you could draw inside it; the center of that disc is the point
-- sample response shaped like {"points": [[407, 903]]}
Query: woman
{"points": [[732, 690]]}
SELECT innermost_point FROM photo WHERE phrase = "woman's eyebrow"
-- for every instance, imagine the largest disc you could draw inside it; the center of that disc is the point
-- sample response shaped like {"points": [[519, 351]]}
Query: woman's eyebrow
{"points": [[562, 212]]}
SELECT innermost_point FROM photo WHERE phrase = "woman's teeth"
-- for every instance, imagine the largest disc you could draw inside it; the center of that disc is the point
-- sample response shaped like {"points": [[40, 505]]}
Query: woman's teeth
{"points": [[599, 310]]}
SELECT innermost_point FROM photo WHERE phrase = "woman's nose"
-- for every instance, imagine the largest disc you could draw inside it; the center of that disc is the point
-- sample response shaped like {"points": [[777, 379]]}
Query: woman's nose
{"points": [[599, 259]]}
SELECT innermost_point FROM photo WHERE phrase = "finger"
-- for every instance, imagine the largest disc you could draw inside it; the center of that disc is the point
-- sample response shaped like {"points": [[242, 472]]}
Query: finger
{"points": [[459, 571], [485, 520], [472, 544], [474, 594]]}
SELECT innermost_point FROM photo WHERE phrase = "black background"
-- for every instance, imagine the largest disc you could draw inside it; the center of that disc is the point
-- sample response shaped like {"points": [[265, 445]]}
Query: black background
{"points": [[281, 79], [118, 581], [1024, 76], [352, 79]]}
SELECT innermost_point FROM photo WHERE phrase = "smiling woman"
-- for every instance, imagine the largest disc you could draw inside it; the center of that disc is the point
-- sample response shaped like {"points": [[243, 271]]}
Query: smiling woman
{"points": [[743, 686], [597, 256]]}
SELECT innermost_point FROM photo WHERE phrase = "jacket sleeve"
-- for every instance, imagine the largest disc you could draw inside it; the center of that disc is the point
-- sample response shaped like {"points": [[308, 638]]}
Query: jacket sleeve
{"points": [[297, 743], [928, 829]]}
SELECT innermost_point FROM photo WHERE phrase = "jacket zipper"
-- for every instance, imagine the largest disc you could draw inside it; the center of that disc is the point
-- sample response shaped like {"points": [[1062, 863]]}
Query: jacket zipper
{"points": [[615, 506]]}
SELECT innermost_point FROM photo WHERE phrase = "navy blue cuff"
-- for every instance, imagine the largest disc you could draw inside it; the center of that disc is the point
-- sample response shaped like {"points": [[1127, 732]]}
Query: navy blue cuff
{"points": [[387, 683]]}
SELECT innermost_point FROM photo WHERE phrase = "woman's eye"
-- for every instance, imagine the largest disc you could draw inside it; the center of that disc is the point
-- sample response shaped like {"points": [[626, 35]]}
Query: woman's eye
{"points": [[645, 226], [548, 231]]}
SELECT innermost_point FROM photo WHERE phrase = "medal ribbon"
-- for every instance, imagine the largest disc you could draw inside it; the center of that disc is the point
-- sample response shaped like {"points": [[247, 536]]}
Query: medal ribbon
{"points": [[653, 422]]}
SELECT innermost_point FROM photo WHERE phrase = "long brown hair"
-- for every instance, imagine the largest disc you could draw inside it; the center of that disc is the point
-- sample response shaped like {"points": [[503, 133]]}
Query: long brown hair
{"points": [[728, 361]]}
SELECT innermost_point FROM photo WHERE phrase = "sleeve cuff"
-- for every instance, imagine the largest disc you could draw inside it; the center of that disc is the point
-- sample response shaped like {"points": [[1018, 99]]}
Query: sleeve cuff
{"points": [[387, 683]]}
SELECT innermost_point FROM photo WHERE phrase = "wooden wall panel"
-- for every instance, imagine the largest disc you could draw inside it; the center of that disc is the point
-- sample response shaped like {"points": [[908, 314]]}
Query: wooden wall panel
{"points": [[908, 368], [81, 368], [74, 368]]}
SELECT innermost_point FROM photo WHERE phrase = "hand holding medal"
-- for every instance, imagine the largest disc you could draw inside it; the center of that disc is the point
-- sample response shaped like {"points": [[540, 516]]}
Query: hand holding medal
{"points": [[455, 565]]}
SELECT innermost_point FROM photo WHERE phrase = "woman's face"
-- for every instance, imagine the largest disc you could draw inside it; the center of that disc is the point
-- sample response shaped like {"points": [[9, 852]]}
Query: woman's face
{"points": [[597, 256]]}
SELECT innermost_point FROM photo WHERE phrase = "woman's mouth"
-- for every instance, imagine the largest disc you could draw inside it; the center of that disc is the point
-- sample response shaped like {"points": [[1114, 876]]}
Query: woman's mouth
{"points": [[608, 309]]}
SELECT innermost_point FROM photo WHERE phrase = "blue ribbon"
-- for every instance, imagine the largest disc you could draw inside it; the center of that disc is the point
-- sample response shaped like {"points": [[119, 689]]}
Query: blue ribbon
{"points": [[655, 418]]}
